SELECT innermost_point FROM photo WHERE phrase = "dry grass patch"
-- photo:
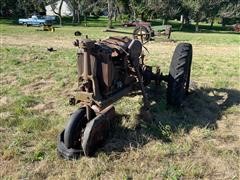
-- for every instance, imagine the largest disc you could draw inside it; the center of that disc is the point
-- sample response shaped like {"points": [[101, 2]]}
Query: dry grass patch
{"points": [[39, 86]]}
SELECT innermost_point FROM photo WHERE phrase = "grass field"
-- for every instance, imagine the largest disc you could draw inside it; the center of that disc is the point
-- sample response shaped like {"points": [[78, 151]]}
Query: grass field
{"points": [[199, 141]]}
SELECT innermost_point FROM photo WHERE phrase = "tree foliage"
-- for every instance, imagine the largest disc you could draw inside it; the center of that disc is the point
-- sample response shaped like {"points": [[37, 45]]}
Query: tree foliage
{"points": [[230, 9], [25, 8], [197, 10], [165, 9]]}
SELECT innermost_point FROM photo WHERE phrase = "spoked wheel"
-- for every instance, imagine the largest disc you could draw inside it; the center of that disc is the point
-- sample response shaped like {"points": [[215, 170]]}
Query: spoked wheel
{"points": [[179, 74], [74, 128], [142, 33]]}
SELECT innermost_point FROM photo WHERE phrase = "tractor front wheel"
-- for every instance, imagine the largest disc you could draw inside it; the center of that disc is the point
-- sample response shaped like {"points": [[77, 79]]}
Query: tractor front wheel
{"points": [[179, 74], [74, 128]]}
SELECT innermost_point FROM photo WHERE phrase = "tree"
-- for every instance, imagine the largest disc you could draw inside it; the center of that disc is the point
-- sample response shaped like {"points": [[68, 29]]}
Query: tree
{"points": [[166, 9], [229, 9], [88, 8], [57, 9], [139, 8], [184, 11], [82, 8], [213, 9], [8, 8], [110, 13], [23, 8], [76, 9], [120, 8], [197, 9]]}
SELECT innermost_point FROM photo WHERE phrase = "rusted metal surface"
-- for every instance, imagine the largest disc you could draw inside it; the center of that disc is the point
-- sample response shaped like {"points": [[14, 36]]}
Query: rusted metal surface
{"points": [[96, 69], [97, 130], [136, 23], [107, 69], [116, 31], [164, 30], [145, 32]]}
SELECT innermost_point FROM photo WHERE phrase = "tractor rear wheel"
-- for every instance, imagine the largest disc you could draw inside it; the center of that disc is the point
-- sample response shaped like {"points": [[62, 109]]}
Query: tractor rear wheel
{"points": [[74, 128], [179, 74]]}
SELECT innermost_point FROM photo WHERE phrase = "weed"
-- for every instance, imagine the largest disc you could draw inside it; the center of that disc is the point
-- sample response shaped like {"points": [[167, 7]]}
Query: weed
{"points": [[172, 172]]}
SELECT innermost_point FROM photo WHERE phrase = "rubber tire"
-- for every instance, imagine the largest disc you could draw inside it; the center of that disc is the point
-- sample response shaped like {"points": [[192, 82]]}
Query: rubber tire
{"points": [[145, 29], [26, 24], [72, 133], [179, 74]]}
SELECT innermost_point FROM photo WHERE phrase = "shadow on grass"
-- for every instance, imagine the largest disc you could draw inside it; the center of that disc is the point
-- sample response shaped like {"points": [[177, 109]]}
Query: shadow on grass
{"points": [[202, 108]]}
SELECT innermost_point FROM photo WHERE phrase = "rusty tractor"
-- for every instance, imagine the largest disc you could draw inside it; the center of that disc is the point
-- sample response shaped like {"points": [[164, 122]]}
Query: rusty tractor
{"points": [[108, 70]]}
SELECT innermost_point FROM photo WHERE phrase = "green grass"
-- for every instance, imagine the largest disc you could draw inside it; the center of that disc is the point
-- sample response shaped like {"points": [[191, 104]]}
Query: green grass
{"points": [[199, 141]]}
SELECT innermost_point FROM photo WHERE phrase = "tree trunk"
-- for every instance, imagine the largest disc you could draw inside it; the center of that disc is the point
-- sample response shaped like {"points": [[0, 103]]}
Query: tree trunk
{"points": [[115, 15], [78, 17], [186, 20], [142, 16], [78, 11], [164, 21], [110, 13], [60, 20], [59, 13], [182, 22], [134, 14], [75, 11], [73, 16], [25, 12], [151, 16], [85, 19], [196, 26], [212, 22], [223, 22]]}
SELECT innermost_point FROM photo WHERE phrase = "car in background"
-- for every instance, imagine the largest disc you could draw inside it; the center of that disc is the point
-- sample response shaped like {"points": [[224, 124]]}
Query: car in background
{"points": [[37, 20]]}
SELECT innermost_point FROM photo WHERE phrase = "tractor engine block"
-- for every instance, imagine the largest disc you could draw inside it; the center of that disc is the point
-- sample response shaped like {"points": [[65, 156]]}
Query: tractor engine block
{"points": [[104, 67]]}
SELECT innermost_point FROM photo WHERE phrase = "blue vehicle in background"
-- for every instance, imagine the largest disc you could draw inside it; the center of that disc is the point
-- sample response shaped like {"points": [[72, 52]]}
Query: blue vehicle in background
{"points": [[37, 20]]}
